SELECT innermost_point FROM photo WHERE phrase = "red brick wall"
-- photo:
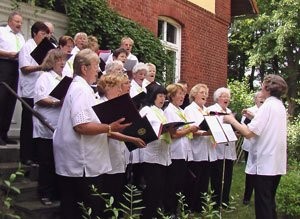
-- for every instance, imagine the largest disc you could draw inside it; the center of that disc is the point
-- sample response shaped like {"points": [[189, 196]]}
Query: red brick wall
{"points": [[204, 35]]}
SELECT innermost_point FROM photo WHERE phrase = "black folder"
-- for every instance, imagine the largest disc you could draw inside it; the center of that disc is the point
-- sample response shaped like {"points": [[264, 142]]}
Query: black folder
{"points": [[204, 126], [141, 129], [40, 52], [60, 91], [139, 100], [213, 113], [173, 125], [117, 108]]}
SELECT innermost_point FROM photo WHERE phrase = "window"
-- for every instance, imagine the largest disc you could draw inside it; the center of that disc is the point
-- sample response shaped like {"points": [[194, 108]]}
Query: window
{"points": [[169, 32]]}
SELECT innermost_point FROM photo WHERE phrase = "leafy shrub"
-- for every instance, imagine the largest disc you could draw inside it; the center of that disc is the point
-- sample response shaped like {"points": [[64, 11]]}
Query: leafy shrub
{"points": [[288, 192], [241, 96], [294, 139]]}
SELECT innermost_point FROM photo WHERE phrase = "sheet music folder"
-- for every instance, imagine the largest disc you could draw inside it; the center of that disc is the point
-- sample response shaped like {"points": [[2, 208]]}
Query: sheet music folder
{"points": [[40, 52], [60, 91], [221, 132], [141, 128], [173, 125], [117, 108]]}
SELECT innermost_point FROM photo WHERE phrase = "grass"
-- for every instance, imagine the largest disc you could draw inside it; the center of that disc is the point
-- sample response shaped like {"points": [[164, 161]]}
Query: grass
{"points": [[241, 211]]}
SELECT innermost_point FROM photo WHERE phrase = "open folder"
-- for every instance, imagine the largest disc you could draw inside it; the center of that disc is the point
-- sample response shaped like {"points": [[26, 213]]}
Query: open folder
{"points": [[173, 125], [221, 132], [129, 64], [40, 52], [141, 128], [117, 108], [60, 91]]}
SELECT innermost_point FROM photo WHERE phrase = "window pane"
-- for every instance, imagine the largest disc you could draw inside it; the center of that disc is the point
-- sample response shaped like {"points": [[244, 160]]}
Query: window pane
{"points": [[160, 30], [171, 33]]}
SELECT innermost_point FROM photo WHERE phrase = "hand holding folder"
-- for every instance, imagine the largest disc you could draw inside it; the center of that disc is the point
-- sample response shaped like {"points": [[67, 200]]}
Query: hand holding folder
{"points": [[141, 129], [173, 126]]}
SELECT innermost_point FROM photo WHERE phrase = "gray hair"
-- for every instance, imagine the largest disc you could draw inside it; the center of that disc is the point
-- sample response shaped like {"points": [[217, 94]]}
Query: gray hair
{"points": [[219, 92], [139, 67], [112, 66]]}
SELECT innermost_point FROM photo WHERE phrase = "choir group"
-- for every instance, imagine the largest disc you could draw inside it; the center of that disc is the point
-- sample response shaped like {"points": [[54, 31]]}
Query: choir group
{"points": [[84, 151]]}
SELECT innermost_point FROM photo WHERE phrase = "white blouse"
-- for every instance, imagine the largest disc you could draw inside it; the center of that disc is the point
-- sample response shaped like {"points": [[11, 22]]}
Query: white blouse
{"points": [[226, 151], [76, 154], [43, 87], [180, 148], [202, 147], [156, 151], [268, 151]]}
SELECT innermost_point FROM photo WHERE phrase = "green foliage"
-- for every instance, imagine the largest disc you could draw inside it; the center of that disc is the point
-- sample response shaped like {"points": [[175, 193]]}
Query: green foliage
{"points": [[6, 200], [241, 96], [288, 192], [96, 18], [208, 207], [294, 140]]}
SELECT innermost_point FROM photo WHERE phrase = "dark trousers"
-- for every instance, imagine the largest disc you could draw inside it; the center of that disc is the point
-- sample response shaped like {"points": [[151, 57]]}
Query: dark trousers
{"points": [[74, 190], [216, 180], [9, 74], [249, 184], [28, 149], [197, 183], [265, 190], [176, 181], [155, 177], [114, 185], [47, 182]]}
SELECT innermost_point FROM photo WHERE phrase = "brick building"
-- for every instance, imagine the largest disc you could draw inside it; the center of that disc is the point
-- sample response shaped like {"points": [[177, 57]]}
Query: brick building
{"points": [[194, 30]]}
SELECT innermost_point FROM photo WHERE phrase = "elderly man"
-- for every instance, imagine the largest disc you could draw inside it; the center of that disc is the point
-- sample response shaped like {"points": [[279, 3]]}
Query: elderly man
{"points": [[11, 41]]}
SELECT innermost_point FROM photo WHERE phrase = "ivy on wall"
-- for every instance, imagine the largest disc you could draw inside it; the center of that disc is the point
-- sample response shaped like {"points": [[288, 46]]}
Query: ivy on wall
{"points": [[95, 17]]}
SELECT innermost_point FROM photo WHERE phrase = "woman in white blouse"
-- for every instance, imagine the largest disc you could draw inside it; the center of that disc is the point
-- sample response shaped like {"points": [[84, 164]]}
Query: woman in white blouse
{"points": [[80, 141], [114, 180], [225, 151], [180, 148], [203, 151], [49, 108], [156, 155]]}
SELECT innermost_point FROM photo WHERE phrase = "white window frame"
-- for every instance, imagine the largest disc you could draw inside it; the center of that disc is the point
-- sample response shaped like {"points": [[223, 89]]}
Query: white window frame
{"points": [[171, 46]]}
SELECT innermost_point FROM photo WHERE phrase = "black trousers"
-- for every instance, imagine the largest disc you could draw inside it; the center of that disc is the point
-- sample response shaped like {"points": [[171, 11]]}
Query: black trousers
{"points": [[114, 184], [249, 184], [197, 183], [216, 180], [47, 182], [28, 149], [155, 177], [176, 182], [265, 190], [9, 74], [74, 190]]}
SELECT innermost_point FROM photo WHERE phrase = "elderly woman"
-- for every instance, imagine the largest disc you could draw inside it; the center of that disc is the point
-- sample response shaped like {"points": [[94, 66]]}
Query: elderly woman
{"points": [[114, 180], [114, 67], [180, 148], [203, 151], [156, 155], [80, 141], [139, 73], [268, 152], [150, 76], [225, 151], [49, 108]]}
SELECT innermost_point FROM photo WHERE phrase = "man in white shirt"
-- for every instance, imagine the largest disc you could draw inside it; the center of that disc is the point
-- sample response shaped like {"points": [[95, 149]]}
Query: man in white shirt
{"points": [[268, 153], [11, 41]]}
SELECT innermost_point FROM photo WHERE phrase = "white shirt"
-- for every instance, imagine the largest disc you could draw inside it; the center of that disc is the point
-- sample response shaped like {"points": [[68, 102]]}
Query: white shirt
{"points": [[43, 87], [130, 56], [76, 154], [27, 81], [268, 152], [201, 145], [68, 68], [180, 148], [230, 151], [117, 152], [247, 142], [8, 40], [156, 151], [135, 89]]}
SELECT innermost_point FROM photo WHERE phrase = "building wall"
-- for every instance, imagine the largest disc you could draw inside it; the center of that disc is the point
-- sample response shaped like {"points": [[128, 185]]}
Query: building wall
{"points": [[204, 35]]}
